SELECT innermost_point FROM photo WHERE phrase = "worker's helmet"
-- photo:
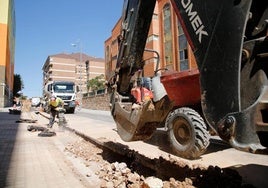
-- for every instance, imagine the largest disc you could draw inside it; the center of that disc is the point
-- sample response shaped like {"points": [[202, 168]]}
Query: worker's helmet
{"points": [[52, 97]]}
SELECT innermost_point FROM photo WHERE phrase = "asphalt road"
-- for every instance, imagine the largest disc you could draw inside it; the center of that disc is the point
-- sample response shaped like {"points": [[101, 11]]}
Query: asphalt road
{"points": [[94, 115]]}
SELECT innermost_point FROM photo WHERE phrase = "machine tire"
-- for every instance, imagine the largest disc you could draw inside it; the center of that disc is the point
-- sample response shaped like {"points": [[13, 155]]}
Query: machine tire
{"points": [[71, 110], [47, 133], [187, 133], [33, 128]]}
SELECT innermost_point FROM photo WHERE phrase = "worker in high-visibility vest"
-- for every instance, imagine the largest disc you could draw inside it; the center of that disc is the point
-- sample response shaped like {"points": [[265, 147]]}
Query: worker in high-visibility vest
{"points": [[54, 104]]}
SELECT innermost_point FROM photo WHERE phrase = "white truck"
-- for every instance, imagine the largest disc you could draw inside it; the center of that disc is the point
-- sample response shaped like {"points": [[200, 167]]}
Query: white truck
{"points": [[66, 90]]}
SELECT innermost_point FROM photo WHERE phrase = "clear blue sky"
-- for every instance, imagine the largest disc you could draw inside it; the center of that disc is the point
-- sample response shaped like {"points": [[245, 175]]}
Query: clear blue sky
{"points": [[49, 27]]}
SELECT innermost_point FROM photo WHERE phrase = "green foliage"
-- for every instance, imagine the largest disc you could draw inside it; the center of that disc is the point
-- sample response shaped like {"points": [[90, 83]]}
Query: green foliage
{"points": [[96, 83], [17, 84], [24, 97]]}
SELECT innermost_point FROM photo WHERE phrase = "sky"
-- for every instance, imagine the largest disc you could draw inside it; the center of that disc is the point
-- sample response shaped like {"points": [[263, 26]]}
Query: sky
{"points": [[50, 27]]}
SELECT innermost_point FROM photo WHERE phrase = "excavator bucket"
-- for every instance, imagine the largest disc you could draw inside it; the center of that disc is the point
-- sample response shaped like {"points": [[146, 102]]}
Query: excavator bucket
{"points": [[229, 40], [138, 122]]}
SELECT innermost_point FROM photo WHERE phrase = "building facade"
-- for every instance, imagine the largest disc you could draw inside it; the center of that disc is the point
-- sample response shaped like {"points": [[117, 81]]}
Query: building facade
{"points": [[7, 51], [165, 36], [76, 67]]}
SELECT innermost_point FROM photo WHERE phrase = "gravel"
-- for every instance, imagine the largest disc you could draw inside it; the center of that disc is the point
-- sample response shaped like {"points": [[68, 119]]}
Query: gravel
{"points": [[115, 174]]}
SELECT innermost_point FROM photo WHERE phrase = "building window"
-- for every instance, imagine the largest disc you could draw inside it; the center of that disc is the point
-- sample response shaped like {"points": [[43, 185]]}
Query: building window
{"points": [[108, 61], [155, 16], [167, 35], [153, 38], [183, 52], [114, 42], [114, 58]]}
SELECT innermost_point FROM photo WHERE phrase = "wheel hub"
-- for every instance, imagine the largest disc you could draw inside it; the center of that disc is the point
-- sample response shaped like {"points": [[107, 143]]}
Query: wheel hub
{"points": [[182, 131]]}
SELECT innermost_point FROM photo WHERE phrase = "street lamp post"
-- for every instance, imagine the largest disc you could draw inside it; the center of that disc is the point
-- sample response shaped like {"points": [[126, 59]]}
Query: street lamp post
{"points": [[87, 71], [78, 44]]}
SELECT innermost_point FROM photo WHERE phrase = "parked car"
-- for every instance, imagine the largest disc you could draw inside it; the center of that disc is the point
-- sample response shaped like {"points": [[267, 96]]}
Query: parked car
{"points": [[36, 101]]}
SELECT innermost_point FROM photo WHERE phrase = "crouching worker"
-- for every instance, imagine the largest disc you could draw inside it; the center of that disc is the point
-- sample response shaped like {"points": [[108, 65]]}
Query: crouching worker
{"points": [[55, 104]]}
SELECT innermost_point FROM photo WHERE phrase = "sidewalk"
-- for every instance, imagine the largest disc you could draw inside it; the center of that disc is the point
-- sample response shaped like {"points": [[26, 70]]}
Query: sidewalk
{"points": [[29, 161]]}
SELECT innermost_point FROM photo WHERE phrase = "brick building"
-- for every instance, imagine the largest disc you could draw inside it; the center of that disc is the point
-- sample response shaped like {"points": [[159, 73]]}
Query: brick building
{"points": [[7, 51], [72, 67], [165, 36]]}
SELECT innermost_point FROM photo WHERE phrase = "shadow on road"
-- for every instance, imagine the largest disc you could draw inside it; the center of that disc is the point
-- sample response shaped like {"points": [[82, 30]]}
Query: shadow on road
{"points": [[160, 139], [253, 174]]}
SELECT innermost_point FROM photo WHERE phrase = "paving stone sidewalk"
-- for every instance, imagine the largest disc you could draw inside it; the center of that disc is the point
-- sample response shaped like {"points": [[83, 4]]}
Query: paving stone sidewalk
{"points": [[30, 161]]}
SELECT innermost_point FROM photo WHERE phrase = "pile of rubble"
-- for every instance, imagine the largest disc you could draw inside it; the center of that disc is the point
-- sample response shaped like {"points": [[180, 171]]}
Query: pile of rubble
{"points": [[117, 174], [111, 170]]}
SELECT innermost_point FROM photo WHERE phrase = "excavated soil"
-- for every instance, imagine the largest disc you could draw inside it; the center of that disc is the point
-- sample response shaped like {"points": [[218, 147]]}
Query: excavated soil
{"points": [[124, 169]]}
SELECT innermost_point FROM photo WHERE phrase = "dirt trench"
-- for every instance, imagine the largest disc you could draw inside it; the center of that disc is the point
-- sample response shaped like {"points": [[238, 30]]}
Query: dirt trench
{"points": [[120, 167]]}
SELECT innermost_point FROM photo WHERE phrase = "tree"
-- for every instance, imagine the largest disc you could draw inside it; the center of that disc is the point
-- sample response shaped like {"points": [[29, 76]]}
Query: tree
{"points": [[17, 84], [96, 83]]}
